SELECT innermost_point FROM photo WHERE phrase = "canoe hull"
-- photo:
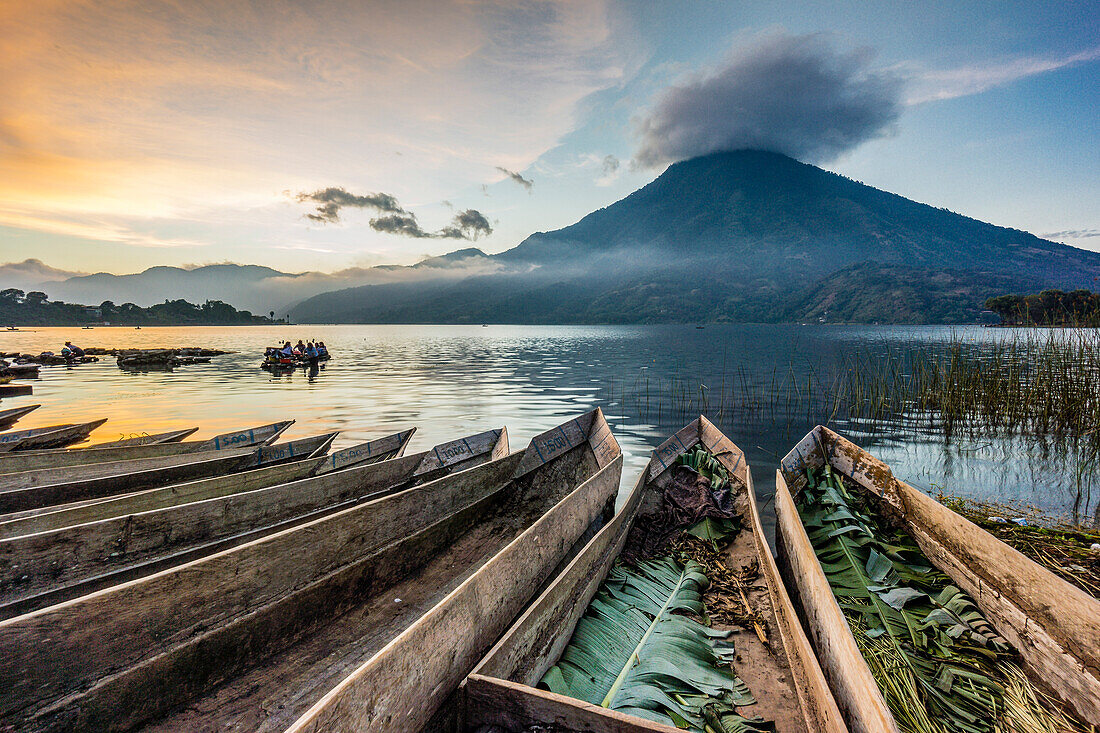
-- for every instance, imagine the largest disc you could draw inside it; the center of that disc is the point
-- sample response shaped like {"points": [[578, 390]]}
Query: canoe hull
{"points": [[34, 460], [1058, 640], [502, 689], [192, 630]]}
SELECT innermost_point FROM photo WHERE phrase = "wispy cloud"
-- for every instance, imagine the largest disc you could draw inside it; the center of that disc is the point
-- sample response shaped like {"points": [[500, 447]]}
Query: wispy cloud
{"points": [[931, 85], [525, 182], [1072, 234], [396, 219], [104, 105], [101, 231], [331, 200]]}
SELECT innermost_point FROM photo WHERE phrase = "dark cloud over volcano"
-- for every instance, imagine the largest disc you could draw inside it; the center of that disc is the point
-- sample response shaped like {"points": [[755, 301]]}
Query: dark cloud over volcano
{"points": [[795, 95]]}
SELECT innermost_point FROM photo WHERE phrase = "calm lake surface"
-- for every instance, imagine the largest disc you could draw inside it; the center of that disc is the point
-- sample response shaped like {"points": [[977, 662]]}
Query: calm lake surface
{"points": [[454, 380]]}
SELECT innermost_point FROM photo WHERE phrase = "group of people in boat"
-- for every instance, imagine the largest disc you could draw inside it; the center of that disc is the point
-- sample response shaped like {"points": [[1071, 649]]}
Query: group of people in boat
{"points": [[309, 352]]}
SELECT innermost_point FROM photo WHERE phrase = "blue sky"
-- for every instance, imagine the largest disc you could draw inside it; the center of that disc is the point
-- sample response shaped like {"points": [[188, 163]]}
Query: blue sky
{"points": [[174, 133]]}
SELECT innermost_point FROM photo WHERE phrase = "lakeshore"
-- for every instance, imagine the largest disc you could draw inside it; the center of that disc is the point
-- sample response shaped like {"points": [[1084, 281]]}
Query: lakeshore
{"points": [[452, 379]]}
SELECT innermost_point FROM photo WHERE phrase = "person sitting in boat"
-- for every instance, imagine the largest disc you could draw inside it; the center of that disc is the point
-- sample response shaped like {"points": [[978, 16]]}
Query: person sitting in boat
{"points": [[300, 348], [322, 350], [74, 352], [312, 355], [286, 351]]}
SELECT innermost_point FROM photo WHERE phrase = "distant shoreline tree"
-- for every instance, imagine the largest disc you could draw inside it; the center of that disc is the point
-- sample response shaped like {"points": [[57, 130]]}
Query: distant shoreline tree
{"points": [[1048, 308], [36, 309]]}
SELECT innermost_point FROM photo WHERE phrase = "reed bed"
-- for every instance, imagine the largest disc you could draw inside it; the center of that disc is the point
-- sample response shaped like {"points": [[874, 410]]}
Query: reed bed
{"points": [[1044, 386]]}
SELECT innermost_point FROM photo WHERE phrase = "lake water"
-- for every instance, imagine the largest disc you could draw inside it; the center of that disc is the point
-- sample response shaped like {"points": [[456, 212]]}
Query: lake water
{"points": [[454, 380]]}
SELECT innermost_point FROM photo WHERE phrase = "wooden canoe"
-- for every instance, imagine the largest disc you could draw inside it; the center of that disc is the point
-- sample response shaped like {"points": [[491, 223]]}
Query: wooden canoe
{"points": [[52, 436], [12, 416], [1054, 625], [45, 568], [172, 436], [48, 567], [94, 510], [251, 637], [502, 694], [40, 459], [29, 490]]}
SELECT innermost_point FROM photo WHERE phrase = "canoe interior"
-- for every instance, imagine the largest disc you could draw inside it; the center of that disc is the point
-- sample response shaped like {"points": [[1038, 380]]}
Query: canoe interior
{"points": [[253, 635], [1058, 641], [574, 470], [503, 689], [48, 567], [50, 487]]}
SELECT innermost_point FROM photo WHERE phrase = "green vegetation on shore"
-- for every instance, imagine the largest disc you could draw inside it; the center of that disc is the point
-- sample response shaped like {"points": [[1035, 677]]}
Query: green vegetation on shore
{"points": [[36, 309], [1048, 308]]}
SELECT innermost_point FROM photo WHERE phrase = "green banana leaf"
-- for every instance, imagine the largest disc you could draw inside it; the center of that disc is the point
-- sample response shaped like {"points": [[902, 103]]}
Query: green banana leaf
{"points": [[634, 651], [908, 612]]}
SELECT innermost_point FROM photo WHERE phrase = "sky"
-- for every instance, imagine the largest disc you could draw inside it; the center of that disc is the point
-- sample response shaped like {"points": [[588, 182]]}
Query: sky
{"points": [[323, 135]]}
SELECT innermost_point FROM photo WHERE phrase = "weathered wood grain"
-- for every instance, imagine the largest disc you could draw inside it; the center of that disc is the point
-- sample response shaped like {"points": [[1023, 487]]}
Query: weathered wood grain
{"points": [[515, 707], [54, 436], [856, 693], [30, 460], [48, 567], [512, 669], [49, 487], [1052, 624], [402, 686], [173, 631]]}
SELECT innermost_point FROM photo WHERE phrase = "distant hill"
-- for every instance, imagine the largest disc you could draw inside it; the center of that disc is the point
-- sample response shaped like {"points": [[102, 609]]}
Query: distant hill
{"points": [[738, 236], [232, 283], [251, 287]]}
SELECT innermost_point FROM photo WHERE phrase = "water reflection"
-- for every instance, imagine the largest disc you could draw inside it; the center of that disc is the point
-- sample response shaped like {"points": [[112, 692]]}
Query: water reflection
{"points": [[451, 380]]}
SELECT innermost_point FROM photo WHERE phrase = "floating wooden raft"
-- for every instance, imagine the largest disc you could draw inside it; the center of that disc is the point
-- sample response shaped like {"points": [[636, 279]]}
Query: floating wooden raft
{"points": [[12, 416], [784, 675], [41, 459], [253, 636], [51, 436], [1054, 625], [44, 568], [28, 490]]}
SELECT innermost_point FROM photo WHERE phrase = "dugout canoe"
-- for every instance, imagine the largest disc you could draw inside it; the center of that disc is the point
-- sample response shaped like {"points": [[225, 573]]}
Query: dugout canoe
{"points": [[172, 436], [251, 637], [1054, 625], [29, 490], [102, 453], [51, 436], [94, 510], [502, 692], [12, 416], [48, 567]]}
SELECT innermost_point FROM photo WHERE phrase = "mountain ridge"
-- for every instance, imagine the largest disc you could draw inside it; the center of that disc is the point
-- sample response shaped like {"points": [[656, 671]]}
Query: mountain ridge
{"points": [[737, 236]]}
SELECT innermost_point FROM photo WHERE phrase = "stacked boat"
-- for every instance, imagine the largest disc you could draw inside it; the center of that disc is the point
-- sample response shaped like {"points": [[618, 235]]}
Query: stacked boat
{"points": [[240, 583]]}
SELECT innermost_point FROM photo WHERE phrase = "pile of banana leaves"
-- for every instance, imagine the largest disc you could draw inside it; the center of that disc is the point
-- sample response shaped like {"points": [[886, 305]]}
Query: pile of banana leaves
{"points": [[939, 663], [644, 646]]}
